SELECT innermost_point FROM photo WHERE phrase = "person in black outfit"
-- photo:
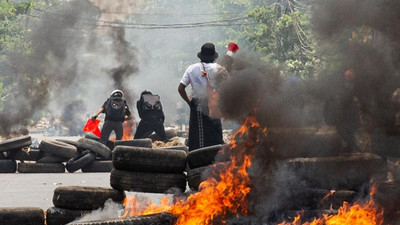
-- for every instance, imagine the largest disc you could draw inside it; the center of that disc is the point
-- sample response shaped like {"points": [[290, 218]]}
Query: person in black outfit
{"points": [[152, 118], [113, 123]]}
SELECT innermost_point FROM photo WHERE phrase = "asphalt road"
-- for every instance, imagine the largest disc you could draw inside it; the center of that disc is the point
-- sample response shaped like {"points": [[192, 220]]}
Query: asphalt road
{"points": [[36, 189]]}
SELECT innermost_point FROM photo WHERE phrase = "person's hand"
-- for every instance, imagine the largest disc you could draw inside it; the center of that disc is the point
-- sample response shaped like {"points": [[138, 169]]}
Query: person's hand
{"points": [[93, 118]]}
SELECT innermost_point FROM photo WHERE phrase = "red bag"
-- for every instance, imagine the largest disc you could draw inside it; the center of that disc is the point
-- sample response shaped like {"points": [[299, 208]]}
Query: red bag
{"points": [[92, 127]]}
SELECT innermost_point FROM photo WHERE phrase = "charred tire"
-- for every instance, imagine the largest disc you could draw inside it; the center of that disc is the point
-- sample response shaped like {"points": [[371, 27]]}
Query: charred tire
{"points": [[159, 219], [31, 155], [60, 216], [58, 148], [15, 143], [8, 166], [85, 198], [145, 142], [194, 177], [203, 156], [41, 168], [149, 160], [94, 146], [147, 182], [79, 161], [102, 166], [109, 144], [50, 158], [22, 215]]}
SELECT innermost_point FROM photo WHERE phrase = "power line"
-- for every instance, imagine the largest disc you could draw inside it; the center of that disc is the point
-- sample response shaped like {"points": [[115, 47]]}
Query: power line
{"points": [[116, 24]]}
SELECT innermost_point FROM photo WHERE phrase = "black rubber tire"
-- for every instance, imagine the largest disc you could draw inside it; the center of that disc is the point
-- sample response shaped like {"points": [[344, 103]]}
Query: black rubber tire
{"points": [[109, 144], [141, 159], [41, 168], [22, 216], [60, 216], [31, 155], [147, 182], [194, 177], [8, 166], [85, 197], [203, 156], [70, 142], [159, 219], [144, 142], [79, 161], [15, 143], [95, 146], [50, 158], [58, 148], [98, 166]]}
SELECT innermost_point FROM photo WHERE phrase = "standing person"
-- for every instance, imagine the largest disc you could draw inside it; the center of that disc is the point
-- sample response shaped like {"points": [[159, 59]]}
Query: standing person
{"points": [[152, 116], [117, 111], [203, 130], [227, 60]]}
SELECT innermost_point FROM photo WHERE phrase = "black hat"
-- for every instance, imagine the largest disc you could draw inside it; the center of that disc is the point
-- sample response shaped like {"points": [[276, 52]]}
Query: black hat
{"points": [[208, 52]]}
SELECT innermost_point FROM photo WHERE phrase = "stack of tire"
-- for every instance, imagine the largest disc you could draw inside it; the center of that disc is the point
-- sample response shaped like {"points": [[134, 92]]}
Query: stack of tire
{"points": [[199, 161], [73, 202], [55, 154], [144, 169], [92, 156], [10, 148]]}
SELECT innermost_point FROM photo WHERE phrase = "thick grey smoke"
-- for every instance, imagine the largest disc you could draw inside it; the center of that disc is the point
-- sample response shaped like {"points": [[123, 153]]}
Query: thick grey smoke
{"points": [[75, 60], [259, 90]]}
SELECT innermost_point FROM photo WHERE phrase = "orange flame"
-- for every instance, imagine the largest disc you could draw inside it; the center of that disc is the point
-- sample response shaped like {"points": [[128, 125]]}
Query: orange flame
{"points": [[128, 130], [357, 214], [217, 197]]}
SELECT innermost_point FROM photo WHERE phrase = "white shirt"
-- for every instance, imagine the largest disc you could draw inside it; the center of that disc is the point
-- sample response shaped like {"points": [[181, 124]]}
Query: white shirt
{"points": [[193, 76]]}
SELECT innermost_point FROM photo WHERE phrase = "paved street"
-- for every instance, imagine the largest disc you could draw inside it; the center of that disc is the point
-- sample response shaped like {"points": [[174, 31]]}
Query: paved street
{"points": [[36, 190]]}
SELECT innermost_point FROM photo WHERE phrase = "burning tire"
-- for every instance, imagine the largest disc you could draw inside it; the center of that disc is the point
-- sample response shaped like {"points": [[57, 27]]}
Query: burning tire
{"points": [[149, 160], [159, 219], [94, 146], [80, 161], [194, 177], [85, 198], [145, 142], [146, 182], [31, 155], [50, 158], [8, 166], [102, 166], [345, 172], [60, 216], [203, 156], [58, 148], [15, 143], [22, 215], [41, 168]]}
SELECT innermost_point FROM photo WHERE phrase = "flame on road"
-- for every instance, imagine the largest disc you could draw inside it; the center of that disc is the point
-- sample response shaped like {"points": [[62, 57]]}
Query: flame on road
{"points": [[223, 194]]}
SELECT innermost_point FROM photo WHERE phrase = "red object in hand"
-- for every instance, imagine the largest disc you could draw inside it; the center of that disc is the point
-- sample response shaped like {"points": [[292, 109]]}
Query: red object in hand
{"points": [[233, 47], [92, 127]]}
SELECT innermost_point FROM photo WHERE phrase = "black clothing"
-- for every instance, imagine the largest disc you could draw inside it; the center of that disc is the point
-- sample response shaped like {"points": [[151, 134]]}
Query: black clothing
{"points": [[105, 104], [151, 121], [108, 127], [203, 130], [112, 125], [146, 128]]}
